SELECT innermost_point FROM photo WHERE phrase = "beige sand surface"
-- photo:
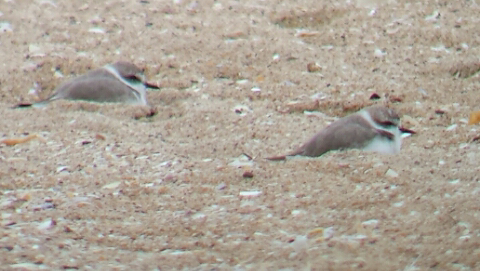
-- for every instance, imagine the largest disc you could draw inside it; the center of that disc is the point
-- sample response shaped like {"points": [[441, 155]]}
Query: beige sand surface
{"points": [[104, 188]]}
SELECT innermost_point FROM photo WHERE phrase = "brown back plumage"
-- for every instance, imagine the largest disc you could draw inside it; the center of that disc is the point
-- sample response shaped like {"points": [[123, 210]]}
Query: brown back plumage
{"points": [[353, 131], [121, 82]]}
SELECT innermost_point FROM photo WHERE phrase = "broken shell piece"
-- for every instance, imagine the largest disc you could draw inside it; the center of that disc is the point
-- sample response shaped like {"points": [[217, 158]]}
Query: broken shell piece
{"points": [[451, 127], [33, 49], [15, 141], [315, 232], [193, 7], [242, 81], [319, 96], [241, 161], [321, 234], [379, 53], [298, 106], [43, 206], [47, 224], [34, 93], [83, 7], [250, 194], [391, 173], [433, 17], [221, 186], [47, 2], [474, 118], [235, 35], [61, 168], [113, 185], [313, 67], [58, 74], [306, 34], [5, 27], [96, 30], [241, 110]]}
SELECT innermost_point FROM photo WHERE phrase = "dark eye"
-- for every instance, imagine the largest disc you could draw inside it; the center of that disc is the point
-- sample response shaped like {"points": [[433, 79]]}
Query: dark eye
{"points": [[132, 78]]}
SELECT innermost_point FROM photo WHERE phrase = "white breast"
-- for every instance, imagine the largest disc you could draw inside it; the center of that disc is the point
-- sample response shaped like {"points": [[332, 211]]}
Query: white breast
{"points": [[382, 144], [140, 89]]}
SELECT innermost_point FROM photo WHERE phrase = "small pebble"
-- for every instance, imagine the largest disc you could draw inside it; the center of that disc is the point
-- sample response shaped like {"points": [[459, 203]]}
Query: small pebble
{"points": [[313, 67], [374, 96], [247, 174]]}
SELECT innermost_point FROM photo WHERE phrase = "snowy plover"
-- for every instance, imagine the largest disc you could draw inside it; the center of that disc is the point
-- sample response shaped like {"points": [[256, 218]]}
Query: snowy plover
{"points": [[120, 82], [375, 128]]}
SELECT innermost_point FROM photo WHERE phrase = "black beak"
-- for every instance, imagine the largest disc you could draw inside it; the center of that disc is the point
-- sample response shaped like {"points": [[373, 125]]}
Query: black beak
{"points": [[406, 130], [151, 85], [146, 84]]}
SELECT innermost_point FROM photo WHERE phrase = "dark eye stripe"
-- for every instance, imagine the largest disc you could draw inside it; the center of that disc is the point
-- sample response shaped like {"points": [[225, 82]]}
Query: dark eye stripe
{"points": [[132, 77], [387, 123]]}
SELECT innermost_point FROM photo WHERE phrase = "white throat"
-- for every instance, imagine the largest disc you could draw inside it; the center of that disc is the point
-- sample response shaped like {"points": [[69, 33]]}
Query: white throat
{"points": [[139, 88], [382, 144]]}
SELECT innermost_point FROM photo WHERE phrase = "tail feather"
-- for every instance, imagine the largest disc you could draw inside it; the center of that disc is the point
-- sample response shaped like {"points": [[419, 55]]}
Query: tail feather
{"points": [[296, 152], [22, 105], [35, 105]]}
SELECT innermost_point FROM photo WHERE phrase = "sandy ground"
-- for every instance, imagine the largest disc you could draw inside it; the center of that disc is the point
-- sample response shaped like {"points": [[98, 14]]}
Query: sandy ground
{"points": [[103, 187]]}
